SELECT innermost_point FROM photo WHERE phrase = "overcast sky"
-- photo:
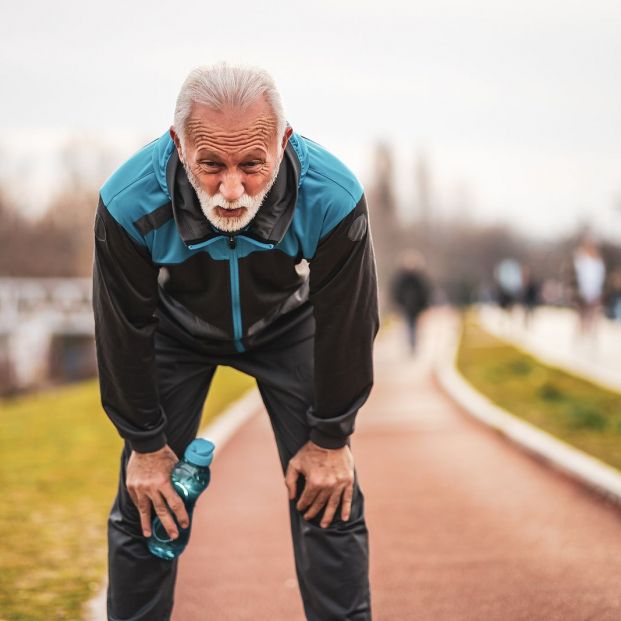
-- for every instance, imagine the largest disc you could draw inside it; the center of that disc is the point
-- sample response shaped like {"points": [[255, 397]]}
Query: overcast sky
{"points": [[516, 104]]}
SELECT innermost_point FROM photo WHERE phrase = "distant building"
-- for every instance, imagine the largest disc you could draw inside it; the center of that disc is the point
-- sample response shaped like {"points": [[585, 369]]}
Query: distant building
{"points": [[46, 332]]}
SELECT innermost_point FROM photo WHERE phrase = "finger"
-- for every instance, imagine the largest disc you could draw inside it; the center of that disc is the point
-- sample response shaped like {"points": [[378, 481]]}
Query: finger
{"points": [[143, 504], [174, 501], [162, 512], [307, 497], [317, 505], [291, 478], [333, 503], [348, 494]]}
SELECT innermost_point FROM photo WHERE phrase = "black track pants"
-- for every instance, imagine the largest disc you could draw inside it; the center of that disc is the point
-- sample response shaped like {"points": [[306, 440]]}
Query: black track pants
{"points": [[331, 563]]}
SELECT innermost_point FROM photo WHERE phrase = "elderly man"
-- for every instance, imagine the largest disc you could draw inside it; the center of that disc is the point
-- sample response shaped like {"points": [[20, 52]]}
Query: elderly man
{"points": [[232, 240]]}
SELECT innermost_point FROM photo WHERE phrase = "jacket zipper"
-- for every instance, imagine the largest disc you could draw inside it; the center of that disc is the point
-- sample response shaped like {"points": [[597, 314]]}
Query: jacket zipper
{"points": [[234, 272], [236, 306]]}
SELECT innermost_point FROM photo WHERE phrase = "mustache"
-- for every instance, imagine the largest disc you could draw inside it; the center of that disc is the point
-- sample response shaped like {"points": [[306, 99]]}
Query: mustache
{"points": [[217, 200]]}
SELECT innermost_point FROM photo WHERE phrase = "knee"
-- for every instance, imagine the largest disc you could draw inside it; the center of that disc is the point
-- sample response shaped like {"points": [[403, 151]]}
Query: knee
{"points": [[355, 521]]}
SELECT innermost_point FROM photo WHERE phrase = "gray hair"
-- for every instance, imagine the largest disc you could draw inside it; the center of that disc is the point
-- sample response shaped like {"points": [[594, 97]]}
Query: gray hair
{"points": [[223, 85]]}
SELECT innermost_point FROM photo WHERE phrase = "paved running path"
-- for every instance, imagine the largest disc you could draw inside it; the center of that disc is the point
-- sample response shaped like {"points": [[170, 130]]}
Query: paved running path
{"points": [[463, 526]]}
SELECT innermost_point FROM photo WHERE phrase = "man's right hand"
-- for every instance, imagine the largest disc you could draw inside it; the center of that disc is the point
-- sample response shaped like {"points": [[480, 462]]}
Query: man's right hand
{"points": [[148, 483]]}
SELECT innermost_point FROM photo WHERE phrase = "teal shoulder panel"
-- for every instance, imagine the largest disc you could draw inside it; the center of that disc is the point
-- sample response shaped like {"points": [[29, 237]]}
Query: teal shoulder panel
{"points": [[329, 192], [161, 154], [322, 162], [135, 188]]}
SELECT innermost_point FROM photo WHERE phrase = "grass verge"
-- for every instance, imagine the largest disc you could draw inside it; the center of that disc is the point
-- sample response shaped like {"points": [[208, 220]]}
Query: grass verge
{"points": [[582, 414], [58, 478]]}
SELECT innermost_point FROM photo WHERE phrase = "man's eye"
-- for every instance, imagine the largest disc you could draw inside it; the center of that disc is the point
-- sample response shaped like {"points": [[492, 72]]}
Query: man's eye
{"points": [[210, 164], [250, 165]]}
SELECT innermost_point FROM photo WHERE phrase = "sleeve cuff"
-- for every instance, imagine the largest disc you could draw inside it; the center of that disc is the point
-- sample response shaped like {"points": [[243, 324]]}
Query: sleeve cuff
{"points": [[326, 441], [148, 445]]}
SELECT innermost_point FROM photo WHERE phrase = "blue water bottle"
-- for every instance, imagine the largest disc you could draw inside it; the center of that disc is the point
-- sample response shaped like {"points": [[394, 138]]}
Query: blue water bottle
{"points": [[189, 477]]}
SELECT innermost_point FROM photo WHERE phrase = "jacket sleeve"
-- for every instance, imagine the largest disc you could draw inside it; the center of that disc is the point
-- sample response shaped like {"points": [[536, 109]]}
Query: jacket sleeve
{"points": [[343, 292], [124, 303]]}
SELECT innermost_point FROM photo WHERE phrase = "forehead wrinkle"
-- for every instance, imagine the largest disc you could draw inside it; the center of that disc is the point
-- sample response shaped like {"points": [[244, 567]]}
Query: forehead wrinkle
{"points": [[228, 139], [226, 147], [260, 129], [207, 141], [263, 120], [208, 151], [199, 126]]}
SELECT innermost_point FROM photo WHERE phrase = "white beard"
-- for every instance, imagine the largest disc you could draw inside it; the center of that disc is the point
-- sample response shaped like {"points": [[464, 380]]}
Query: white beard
{"points": [[209, 204]]}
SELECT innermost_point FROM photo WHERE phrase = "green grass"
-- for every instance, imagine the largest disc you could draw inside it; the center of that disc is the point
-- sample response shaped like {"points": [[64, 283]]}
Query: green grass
{"points": [[573, 409], [58, 478]]}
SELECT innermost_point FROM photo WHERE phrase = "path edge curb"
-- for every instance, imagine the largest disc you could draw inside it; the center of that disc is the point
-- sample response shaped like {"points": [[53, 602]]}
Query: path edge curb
{"points": [[220, 430], [587, 470]]}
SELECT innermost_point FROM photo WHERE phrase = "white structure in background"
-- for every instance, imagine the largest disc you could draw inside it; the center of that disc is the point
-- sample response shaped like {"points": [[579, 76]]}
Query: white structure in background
{"points": [[32, 312]]}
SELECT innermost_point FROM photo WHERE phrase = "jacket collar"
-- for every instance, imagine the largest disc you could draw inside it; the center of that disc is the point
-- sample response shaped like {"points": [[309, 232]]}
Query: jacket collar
{"points": [[269, 224]]}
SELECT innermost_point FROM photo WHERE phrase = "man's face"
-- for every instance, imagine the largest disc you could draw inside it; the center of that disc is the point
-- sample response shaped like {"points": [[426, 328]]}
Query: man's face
{"points": [[231, 159]]}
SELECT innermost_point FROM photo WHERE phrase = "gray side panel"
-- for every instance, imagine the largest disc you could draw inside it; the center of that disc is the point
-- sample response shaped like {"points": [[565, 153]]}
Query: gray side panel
{"points": [[155, 219]]}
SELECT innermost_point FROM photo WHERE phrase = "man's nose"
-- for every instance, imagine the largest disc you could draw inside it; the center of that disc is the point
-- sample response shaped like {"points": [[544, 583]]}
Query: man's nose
{"points": [[231, 187]]}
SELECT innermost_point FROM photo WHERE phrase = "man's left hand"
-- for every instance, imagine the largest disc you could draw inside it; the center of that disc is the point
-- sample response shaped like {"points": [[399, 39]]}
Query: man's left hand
{"points": [[329, 475]]}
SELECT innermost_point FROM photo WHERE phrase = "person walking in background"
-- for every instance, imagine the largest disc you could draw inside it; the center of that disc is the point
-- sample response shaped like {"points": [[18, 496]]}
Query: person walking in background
{"points": [[589, 273], [508, 276], [411, 292], [613, 295], [530, 295]]}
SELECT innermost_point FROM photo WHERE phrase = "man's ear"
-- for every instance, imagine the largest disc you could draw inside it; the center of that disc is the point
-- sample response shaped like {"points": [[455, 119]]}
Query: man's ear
{"points": [[286, 136], [175, 137]]}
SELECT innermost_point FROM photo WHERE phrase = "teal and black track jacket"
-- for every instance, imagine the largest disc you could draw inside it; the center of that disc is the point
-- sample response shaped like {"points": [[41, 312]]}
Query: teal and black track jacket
{"points": [[159, 262]]}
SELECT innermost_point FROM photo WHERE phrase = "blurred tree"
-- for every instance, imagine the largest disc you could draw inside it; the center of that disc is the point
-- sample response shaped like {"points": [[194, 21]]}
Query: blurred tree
{"points": [[424, 199], [14, 237], [63, 234], [383, 217], [58, 244]]}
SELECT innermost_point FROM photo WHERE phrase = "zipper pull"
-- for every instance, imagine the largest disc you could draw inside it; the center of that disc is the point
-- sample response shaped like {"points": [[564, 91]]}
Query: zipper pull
{"points": [[232, 242]]}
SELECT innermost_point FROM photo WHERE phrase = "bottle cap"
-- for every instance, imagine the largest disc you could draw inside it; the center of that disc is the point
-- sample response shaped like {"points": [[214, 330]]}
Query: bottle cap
{"points": [[199, 452]]}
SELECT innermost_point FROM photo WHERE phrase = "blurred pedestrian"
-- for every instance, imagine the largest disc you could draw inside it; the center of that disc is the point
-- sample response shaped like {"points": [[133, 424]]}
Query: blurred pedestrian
{"points": [[530, 294], [589, 278], [411, 292], [613, 295], [508, 275]]}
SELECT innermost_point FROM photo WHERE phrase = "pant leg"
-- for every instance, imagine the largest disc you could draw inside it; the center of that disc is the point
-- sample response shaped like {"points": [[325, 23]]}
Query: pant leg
{"points": [[331, 563], [410, 322], [141, 586]]}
